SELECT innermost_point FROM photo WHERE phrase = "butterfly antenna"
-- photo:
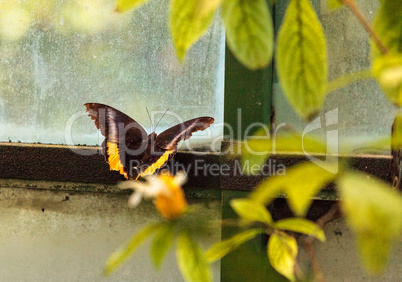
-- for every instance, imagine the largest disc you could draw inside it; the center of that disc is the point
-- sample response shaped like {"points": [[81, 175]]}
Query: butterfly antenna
{"points": [[150, 120], [161, 118]]}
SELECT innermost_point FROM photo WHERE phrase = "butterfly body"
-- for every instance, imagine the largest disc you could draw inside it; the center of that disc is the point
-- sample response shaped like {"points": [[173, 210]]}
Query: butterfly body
{"points": [[127, 147]]}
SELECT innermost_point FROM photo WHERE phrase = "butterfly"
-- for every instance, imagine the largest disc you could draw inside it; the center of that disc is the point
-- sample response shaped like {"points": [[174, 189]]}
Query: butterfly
{"points": [[128, 148]]}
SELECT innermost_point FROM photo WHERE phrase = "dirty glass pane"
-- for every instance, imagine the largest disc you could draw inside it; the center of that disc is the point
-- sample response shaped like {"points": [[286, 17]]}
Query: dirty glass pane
{"points": [[57, 55], [364, 114], [45, 239]]}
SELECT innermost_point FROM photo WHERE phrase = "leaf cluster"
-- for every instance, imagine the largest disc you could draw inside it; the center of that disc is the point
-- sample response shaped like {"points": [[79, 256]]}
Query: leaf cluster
{"points": [[376, 223], [301, 50], [281, 249], [190, 257]]}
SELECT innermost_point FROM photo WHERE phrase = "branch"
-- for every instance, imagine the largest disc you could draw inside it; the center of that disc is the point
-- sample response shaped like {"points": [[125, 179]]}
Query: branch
{"points": [[359, 15], [331, 214], [298, 272], [347, 79], [309, 247], [318, 274]]}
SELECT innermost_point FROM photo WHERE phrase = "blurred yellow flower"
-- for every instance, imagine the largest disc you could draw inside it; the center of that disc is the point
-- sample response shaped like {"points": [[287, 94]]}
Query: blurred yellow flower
{"points": [[173, 204], [165, 189]]}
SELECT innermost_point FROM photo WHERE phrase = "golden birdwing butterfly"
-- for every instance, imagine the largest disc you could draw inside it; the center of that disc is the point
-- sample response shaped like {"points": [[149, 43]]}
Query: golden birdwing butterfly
{"points": [[127, 146]]}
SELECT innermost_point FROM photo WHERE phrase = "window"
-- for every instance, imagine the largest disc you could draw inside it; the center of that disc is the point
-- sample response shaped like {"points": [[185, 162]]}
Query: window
{"points": [[365, 114], [58, 55]]}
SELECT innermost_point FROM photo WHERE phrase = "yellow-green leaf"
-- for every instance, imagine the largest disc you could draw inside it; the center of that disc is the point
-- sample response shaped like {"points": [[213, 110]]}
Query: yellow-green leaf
{"points": [[377, 145], [302, 59], [304, 181], [249, 31], [189, 21], [255, 151], [221, 249], [396, 135], [300, 184], [126, 5], [160, 245], [374, 212], [191, 260], [334, 4], [117, 258], [206, 7], [282, 252], [267, 190], [388, 72], [388, 26], [285, 143], [301, 225], [251, 210]]}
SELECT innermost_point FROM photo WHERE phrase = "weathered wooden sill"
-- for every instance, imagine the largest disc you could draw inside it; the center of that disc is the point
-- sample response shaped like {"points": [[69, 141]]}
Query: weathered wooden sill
{"points": [[57, 167]]}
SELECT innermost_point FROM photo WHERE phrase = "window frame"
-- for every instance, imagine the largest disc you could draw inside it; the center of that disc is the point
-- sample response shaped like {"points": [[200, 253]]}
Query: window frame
{"points": [[245, 90]]}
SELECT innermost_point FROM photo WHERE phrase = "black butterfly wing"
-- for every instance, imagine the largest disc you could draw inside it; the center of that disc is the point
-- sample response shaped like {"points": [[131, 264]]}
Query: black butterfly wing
{"points": [[151, 164], [154, 157], [124, 137], [169, 138]]}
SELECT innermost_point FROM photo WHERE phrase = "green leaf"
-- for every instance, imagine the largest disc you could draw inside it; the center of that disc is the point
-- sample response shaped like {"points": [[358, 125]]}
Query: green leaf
{"points": [[192, 262], [301, 225], [221, 249], [126, 5], [396, 136], [251, 210], [207, 6], [282, 252], [302, 59], [376, 145], [334, 4], [189, 21], [249, 31], [117, 258], [255, 151], [304, 181], [160, 245], [301, 183], [265, 192], [388, 71], [279, 143], [374, 212], [388, 26]]}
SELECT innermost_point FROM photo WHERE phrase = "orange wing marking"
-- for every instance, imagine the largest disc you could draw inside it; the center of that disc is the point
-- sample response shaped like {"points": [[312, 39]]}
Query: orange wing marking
{"points": [[114, 158], [158, 164]]}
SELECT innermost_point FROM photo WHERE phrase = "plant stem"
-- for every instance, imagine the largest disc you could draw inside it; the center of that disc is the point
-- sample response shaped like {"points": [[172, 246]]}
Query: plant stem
{"points": [[332, 213], [318, 274], [298, 272], [359, 15], [309, 247], [347, 79]]}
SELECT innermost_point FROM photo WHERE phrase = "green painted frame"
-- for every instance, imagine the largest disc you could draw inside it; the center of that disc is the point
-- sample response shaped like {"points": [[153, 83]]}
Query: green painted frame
{"points": [[248, 100]]}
